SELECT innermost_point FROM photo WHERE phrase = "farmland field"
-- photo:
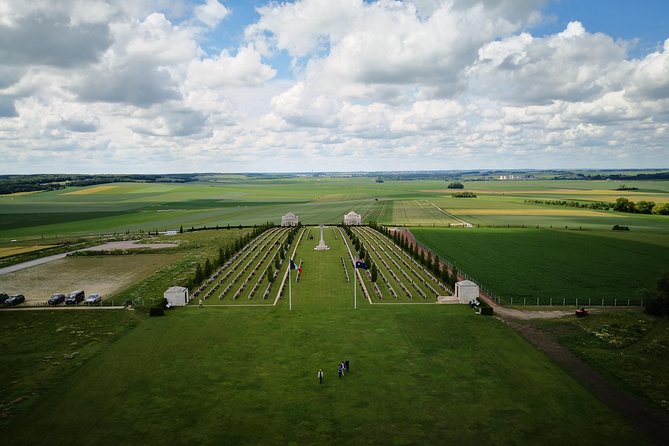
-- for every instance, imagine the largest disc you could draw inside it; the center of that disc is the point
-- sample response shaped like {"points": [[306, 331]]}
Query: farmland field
{"points": [[233, 200], [14, 250], [530, 264]]}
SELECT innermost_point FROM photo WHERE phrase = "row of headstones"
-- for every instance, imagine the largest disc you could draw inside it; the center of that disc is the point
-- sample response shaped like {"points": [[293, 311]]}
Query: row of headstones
{"points": [[279, 294], [245, 267], [350, 255], [396, 250], [390, 270], [343, 263], [236, 260], [425, 283], [255, 269], [218, 272], [378, 239]]}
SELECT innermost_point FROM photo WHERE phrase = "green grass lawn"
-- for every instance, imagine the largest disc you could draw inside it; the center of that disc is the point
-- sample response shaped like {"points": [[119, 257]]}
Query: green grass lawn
{"points": [[550, 264], [419, 375]]}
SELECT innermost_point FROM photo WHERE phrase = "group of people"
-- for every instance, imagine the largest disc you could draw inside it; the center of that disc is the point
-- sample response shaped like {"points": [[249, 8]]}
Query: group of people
{"points": [[342, 368]]}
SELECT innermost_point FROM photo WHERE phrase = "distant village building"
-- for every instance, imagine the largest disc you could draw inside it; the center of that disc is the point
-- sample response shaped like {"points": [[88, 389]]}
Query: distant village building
{"points": [[177, 296], [466, 291], [289, 219], [352, 219]]}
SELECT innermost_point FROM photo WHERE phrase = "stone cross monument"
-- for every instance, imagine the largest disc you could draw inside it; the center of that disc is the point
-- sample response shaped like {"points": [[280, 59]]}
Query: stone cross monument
{"points": [[321, 245]]}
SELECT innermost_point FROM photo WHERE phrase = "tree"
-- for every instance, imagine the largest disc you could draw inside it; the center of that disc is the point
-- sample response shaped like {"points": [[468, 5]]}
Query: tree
{"points": [[657, 300], [622, 204], [645, 207], [456, 185], [270, 276], [661, 209], [208, 268], [374, 272], [199, 275], [181, 229]]}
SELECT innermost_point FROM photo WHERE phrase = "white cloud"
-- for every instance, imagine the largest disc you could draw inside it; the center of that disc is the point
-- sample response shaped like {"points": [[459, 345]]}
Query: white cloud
{"points": [[211, 13], [375, 85], [245, 68]]}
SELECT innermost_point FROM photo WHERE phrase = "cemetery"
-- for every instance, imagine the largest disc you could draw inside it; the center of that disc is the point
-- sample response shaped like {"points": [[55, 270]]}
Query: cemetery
{"points": [[258, 273]]}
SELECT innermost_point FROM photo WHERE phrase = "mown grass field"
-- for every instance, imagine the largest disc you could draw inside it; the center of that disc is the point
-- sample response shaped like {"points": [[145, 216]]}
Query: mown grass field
{"points": [[524, 265], [420, 374]]}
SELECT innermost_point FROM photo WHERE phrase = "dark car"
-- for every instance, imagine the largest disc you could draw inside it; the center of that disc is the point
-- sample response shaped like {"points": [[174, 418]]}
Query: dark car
{"points": [[15, 300], [3, 297], [56, 299], [74, 298]]}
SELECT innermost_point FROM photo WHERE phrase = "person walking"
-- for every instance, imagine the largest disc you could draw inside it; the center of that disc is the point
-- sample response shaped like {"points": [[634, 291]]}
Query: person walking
{"points": [[346, 365], [340, 371], [320, 376], [200, 303]]}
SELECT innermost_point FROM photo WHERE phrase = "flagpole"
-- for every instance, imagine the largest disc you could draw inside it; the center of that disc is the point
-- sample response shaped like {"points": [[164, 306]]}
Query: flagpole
{"points": [[290, 291]]}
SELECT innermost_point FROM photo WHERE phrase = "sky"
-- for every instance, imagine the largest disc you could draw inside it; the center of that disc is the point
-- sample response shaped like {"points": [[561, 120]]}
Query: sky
{"points": [[160, 86]]}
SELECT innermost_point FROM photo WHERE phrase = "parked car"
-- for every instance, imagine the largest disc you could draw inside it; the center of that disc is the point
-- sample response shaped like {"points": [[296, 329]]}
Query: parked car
{"points": [[74, 297], [15, 300], [93, 299], [56, 299], [3, 297]]}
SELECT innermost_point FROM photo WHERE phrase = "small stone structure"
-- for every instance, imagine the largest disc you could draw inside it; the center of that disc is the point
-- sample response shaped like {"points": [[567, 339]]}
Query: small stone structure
{"points": [[289, 219], [352, 219], [177, 296], [466, 291]]}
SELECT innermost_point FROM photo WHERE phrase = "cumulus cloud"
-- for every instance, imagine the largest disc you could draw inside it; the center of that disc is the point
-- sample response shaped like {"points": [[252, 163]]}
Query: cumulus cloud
{"points": [[572, 65], [368, 85], [39, 38], [211, 13], [245, 68], [650, 78]]}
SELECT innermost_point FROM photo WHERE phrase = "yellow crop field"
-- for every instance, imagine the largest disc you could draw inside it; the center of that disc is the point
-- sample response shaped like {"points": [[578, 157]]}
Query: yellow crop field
{"points": [[14, 250], [91, 190]]}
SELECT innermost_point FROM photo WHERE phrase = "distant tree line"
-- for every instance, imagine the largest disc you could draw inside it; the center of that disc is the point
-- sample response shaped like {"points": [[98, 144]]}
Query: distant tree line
{"points": [[10, 184], [622, 204]]}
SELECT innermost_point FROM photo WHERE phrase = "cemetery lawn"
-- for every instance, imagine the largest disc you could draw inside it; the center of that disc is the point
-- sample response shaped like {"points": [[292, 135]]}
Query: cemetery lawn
{"points": [[420, 374], [530, 264]]}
